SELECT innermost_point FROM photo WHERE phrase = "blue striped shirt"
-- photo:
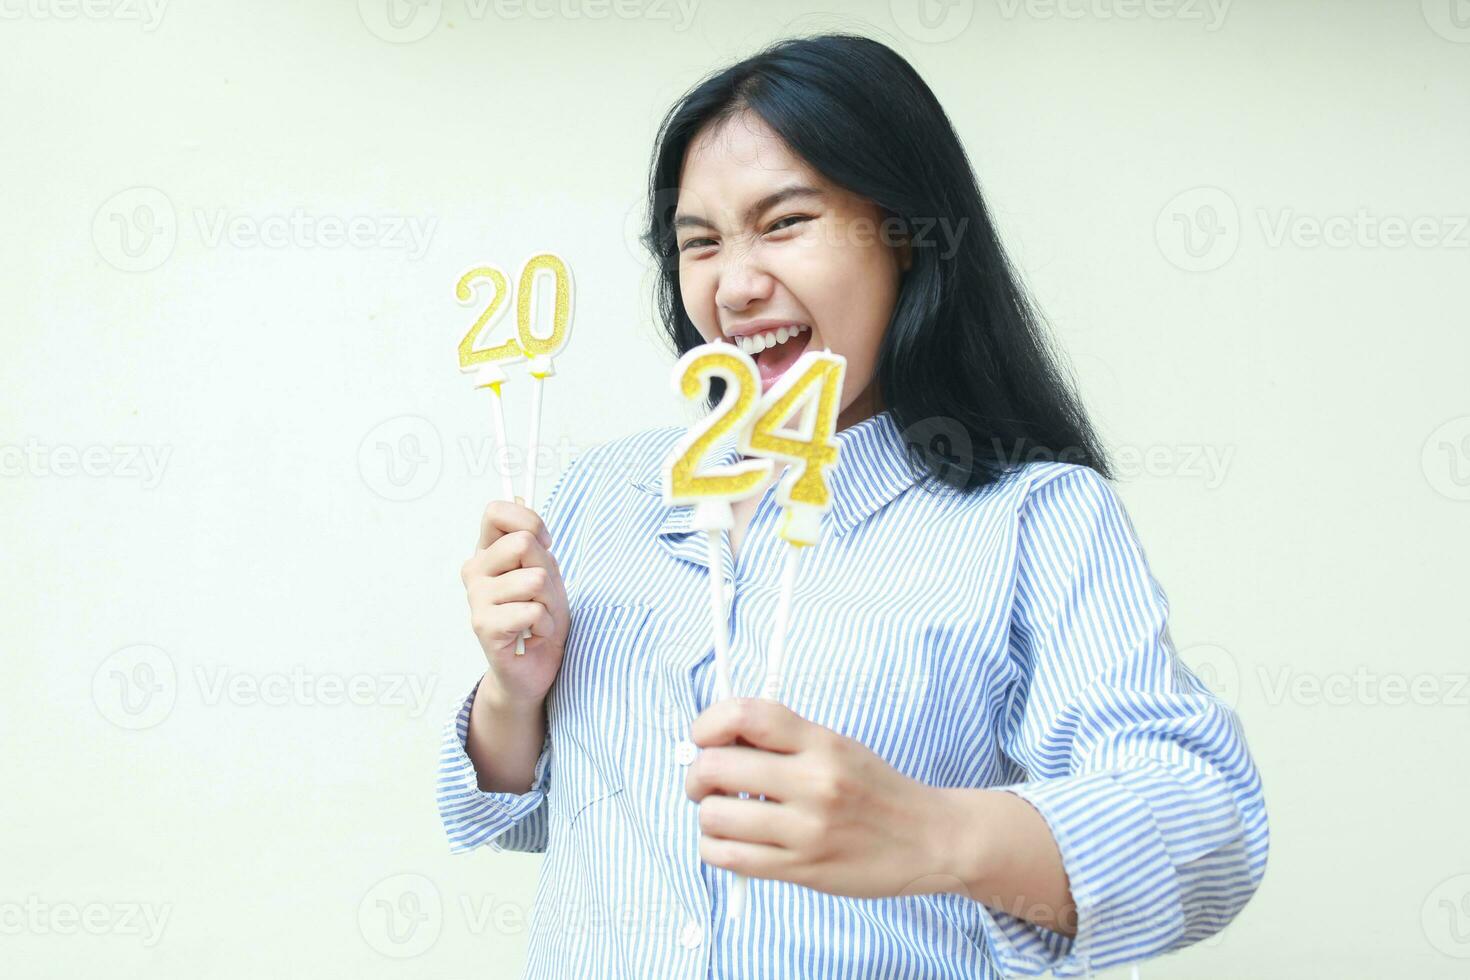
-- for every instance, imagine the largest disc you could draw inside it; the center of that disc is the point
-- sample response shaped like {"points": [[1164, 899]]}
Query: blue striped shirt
{"points": [[1011, 638]]}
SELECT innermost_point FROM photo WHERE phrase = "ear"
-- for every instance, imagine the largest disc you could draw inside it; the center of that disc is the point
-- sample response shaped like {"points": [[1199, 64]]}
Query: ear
{"points": [[905, 255]]}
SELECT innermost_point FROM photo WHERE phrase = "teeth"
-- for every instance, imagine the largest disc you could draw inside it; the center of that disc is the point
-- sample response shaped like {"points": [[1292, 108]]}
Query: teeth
{"points": [[759, 342]]}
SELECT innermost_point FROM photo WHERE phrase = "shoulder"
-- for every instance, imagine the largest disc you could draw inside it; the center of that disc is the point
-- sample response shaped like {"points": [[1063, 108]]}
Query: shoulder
{"points": [[1041, 485], [1047, 485], [1043, 499], [1067, 511]]}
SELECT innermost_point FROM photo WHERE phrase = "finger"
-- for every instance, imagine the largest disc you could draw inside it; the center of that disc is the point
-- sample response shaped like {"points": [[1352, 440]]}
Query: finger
{"points": [[502, 517], [760, 722], [517, 549], [734, 769], [754, 821], [751, 860], [532, 584], [510, 620]]}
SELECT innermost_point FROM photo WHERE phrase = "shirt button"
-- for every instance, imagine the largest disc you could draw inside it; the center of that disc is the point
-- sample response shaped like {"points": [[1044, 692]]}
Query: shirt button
{"points": [[691, 935], [685, 752]]}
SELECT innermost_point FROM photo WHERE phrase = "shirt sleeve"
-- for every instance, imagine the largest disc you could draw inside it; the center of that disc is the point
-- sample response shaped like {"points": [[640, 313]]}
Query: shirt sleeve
{"points": [[1140, 771], [473, 817], [504, 821]]}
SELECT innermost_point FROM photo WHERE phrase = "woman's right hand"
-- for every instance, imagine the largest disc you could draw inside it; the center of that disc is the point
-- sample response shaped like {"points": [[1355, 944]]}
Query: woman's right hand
{"points": [[512, 584]]}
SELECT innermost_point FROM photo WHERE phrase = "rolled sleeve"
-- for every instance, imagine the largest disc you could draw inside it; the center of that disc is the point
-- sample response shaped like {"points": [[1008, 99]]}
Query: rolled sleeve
{"points": [[1139, 770], [506, 821], [473, 817]]}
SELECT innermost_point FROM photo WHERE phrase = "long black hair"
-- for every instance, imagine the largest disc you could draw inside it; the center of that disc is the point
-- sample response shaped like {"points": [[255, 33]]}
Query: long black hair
{"points": [[964, 366]]}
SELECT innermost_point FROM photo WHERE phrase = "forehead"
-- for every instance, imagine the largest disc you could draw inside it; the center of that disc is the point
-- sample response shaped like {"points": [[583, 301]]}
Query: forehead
{"points": [[737, 159]]}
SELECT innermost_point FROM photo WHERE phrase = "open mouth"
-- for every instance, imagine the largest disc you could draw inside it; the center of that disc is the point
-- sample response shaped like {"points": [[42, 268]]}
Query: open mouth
{"points": [[779, 349]]}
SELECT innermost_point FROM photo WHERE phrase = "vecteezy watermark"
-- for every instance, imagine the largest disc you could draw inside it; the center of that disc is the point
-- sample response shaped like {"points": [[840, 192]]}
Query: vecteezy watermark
{"points": [[1208, 13], [301, 229], [1186, 461], [137, 687], [403, 916], [1199, 229], [300, 687], [1445, 459], [400, 21], [119, 462], [943, 447], [406, 21], [1363, 230], [932, 21], [1445, 917], [148, 13], [402, 458], [1215, 667], [1364, 687], [33, 916], [942, 233], [137, 229], [1450, 19]]}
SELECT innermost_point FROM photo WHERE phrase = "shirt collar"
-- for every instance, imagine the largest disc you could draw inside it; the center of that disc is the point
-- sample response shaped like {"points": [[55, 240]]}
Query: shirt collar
{"points": [[872, 468]]}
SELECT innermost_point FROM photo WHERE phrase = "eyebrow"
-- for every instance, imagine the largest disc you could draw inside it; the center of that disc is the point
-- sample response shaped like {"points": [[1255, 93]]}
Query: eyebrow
{"points": [[754, 211]]}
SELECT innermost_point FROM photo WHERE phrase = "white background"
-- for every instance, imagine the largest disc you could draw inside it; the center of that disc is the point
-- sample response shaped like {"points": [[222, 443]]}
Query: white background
{"points": [[1246, 223]]}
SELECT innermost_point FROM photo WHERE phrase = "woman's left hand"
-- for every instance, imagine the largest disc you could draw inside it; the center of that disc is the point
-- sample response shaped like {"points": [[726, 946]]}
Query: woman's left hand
{"points": [[836, 817]]}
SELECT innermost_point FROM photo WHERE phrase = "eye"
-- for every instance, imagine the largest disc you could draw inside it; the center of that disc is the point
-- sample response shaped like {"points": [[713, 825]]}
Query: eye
{"points": [[696, 243], [781, 223]]}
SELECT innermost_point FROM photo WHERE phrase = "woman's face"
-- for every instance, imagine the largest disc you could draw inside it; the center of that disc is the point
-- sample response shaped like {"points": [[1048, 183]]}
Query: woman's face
{"points": [[765, 242]]}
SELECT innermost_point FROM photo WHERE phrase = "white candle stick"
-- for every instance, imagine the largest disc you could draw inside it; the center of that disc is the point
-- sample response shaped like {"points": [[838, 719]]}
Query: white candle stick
{"points": [[540, 350], [713, 491], [526, 344], [814, 381], [776, 652], [486, 363], [507, 490], [537, 387], [490, 376]]}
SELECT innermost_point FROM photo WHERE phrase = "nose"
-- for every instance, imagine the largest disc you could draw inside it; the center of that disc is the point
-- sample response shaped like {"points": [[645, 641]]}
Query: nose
{"points": [[743, 282]]}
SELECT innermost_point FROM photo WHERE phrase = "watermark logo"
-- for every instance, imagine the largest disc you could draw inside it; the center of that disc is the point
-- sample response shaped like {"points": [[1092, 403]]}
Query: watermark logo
{"points": [[402, 458], [136, 687], [135, 230], [1446, 459], [636, 222], [1446, 917], [650, 701], [932, 21], [1199, 229], [943, 447], [1450, 19], [1216, 668], [401, 916], [400, 21]]}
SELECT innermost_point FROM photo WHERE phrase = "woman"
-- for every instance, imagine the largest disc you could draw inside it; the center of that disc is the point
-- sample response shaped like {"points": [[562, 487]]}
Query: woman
{"points": [[988, 755]]}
